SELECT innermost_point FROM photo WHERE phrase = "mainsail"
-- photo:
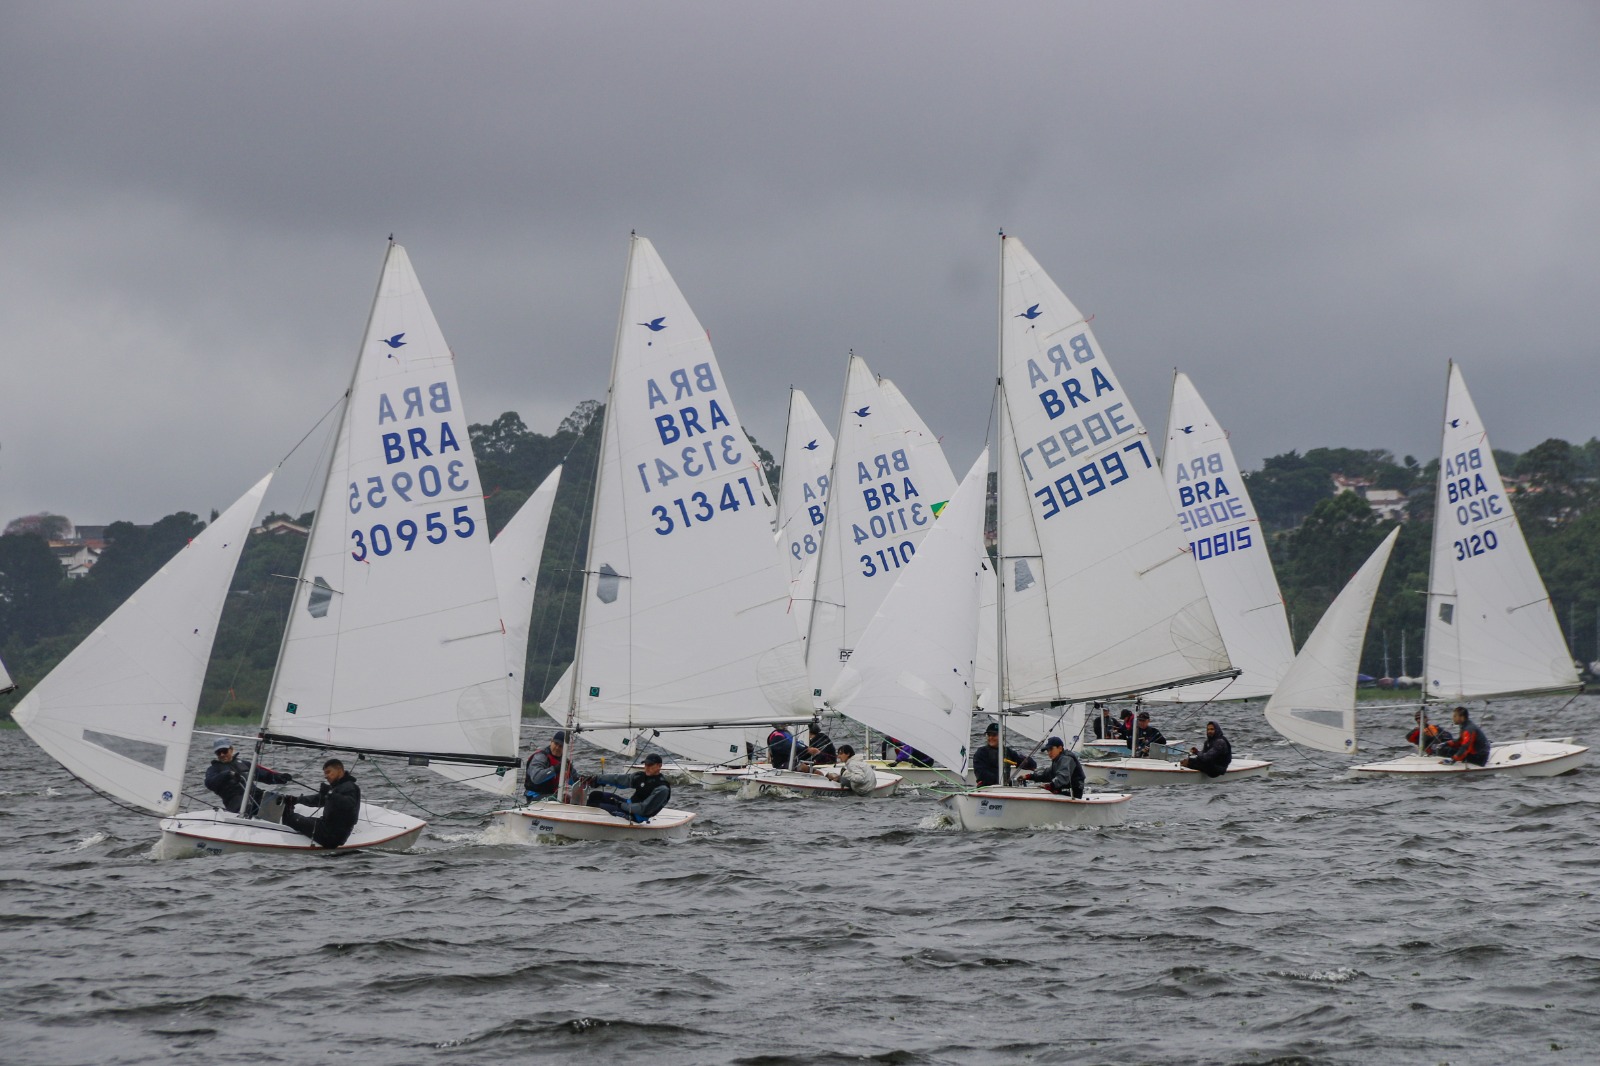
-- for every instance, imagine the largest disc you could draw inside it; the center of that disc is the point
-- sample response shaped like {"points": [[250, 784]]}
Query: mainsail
{"points": [[802, 501], [1099, 594], [1217, 518], [912, 671], [118, 710], [394, 642], [890, 480], [685, 605], [1315, 703], [1491, 628]]}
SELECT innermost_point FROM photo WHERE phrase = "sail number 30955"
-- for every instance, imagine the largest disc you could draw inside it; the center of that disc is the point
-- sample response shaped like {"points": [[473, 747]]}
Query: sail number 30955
{"points": [[379, 541]]}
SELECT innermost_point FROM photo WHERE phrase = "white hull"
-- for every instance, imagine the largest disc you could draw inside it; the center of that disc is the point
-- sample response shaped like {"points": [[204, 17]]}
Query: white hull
{"points": [[1034, 808], [1518, 758], [924, 776], [217, 832], [548, 819], [1141, 773], [760, 781]]}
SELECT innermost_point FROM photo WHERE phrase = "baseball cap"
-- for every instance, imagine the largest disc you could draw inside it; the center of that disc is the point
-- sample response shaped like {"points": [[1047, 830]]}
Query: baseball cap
{"points": [[221, 744]]}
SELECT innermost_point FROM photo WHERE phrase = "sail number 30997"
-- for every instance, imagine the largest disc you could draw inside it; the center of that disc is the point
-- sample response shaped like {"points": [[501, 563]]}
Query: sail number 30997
{"points": [[378, 540]]}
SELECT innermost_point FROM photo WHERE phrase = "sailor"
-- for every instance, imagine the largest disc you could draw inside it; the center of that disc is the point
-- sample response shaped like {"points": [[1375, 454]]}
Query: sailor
{"points": [[340, 800], [1145, 734], [856, 774], [818, 750], [1064, 776], [986, 760], [227, 774], [1213, 759], [1471, 746], [544, 766], [903, 752], [651, 792], [1104, 726], [1433, 738], [780, 743]]}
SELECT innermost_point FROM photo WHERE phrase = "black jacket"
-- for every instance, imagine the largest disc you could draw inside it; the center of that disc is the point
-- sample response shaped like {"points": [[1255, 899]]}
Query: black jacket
{"points": [[650, 794], [825, 756], [986, 763], [1214, 758], [341, 807], [1064, 776], [227, 779], [1146, 736]]}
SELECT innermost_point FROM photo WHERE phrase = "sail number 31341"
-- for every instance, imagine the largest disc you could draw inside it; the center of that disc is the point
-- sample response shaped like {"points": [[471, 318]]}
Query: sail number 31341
{"points": [[698, 507]]}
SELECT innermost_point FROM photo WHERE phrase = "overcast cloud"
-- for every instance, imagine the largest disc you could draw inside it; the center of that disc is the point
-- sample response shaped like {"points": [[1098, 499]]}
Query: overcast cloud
{"points": [[1308, 209]]}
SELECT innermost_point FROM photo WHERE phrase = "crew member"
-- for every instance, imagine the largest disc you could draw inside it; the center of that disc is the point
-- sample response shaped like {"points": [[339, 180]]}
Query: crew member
{"points": [[340, 800], [1471, 746], [544, 766], [856, 774], [651, 792], [780, 747], [1434, 739], [1213, 759], [1145, 734], [818, 750], [1064, 776], [227, 774], [903, 752], [986, 760]]}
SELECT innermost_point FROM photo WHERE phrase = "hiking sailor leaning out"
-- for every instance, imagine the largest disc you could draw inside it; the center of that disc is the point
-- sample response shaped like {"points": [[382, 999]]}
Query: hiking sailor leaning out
{"points": [[856, 774]]}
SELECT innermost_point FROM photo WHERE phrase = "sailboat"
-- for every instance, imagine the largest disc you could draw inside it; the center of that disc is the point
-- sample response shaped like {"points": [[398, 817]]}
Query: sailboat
{"points": [[1315, 703], [803, 501], [1491, 630], [6, 684], [1096, 596], [394, 644], [911, 674], [684, 633], [1224, 535]]}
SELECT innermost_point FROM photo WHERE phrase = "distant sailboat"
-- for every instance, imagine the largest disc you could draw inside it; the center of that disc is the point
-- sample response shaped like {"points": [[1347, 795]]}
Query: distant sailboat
{"points": [[1224, 536], [803, 500], [6, 684], [1315, 703], [1491, 630], [684, 633]]}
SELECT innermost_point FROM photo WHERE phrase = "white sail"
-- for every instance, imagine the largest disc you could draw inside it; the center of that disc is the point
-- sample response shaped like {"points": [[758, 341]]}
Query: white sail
{"points": [[1217, 518], [803, 494], [516, 552], [118, 710], [985, 684], [1315, 703], [1491, 628], [890, 480], [685, 613], [1100, 595], [912, 671], [394, 640], [6, 684]]}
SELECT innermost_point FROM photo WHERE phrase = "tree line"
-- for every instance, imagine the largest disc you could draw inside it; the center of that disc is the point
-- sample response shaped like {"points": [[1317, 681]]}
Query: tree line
{"points": [[1317, 541]]}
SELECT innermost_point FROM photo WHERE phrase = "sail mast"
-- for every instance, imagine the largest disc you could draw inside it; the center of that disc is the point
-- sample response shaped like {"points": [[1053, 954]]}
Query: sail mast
{"points": [[1002, 413], [594, 512]]}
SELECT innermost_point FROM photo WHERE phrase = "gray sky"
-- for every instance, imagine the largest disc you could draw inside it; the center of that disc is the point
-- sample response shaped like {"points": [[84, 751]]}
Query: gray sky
{"points": [[1307, 208]]}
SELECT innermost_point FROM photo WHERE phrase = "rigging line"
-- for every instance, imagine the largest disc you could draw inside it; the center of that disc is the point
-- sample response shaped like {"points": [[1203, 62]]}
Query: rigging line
{"points": [[1309, 759], [107, 796], [313, 429], [411, 800]]}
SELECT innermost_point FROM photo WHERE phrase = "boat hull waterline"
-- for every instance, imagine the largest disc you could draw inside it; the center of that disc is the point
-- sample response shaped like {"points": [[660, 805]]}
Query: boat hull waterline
{"points": [[1034, 808], [217, 832], [570, 821], [1518, 758], [1143, 773], [761, 781]]}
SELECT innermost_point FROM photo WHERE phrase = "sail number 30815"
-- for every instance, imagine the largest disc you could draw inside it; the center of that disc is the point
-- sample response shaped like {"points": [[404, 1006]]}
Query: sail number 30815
{"points": [[379, 541]]}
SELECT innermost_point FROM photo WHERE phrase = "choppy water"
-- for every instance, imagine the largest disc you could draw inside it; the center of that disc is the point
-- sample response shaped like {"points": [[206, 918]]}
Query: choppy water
{"points": [[1304, 919]]}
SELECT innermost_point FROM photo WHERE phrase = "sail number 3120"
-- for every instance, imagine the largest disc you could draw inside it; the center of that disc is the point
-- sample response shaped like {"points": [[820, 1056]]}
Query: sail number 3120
{"points": [[379, 541]]}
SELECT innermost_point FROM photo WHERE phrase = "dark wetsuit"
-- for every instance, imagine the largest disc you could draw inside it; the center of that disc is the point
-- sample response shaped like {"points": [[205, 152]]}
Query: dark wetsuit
{"points": [[341, 807], [986, 763], [779, 744], [1434, 739], [1148, 735], [1064, 776], [1470, 747], [825, 754]]}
